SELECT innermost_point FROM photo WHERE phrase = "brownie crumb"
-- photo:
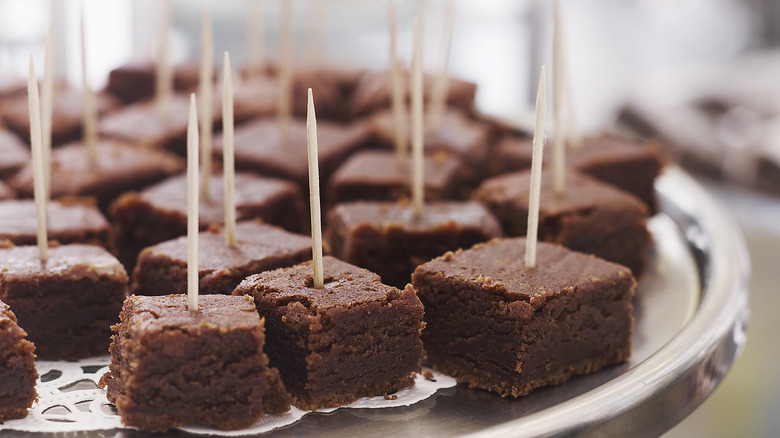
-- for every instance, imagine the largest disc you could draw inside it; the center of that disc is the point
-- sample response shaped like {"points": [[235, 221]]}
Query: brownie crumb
{"points": [[390, 397], [428, 374]]}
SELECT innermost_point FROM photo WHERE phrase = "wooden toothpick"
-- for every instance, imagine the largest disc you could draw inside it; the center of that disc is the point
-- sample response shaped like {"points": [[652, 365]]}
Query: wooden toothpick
{"points": [[164, 73], [47, 109], [192, 206], [206, 87], [397, 90], [284, 109], [314, 192], [417, 123], [90, 108], [39, 189], [559, 138], [441, 85], [228, 153], [536, 175], [255, 40]]}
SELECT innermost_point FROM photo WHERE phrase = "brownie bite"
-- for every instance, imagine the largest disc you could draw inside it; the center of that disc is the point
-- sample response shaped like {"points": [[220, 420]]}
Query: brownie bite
{"points": [[145, 123], [374, 175], [67, 114], [590, 216], [355, 337], [137, 80], [159, 213], [17, 368], [388, 239], [258, 148], [252, 98], [162, 268], [68, 304], [171, 367], [629, 165], [72, 220], [13, 153], [497, 325], [118, 167]]}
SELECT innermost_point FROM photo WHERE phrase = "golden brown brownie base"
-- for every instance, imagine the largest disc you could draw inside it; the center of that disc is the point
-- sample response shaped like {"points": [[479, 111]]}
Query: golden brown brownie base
{"points": [[355, 337], [497, 325], [171, 367], [17, 368]]}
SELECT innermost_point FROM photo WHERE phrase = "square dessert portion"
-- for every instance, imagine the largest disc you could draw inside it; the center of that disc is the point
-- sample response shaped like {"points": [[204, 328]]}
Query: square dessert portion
{"points": [[590, 216], [159, 212], [376, 176], [137, 80], [354, 338], [17, 368], [497, 325], [162, 268], [13, 153], [117, 168], [171, 367], [259, 148], [66, 306], [71, 220], [388, 239]]}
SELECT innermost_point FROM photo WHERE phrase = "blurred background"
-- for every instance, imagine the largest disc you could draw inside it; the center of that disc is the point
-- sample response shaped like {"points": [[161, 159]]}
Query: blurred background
{"points": [[701, 75]]}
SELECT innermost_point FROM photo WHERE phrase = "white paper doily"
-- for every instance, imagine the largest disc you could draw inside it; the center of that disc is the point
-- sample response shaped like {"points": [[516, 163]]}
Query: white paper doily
{"points": [[69, 400]]}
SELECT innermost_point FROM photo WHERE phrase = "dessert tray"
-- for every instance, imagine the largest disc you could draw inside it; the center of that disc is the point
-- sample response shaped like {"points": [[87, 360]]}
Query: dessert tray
{"points": [[691, 312]]}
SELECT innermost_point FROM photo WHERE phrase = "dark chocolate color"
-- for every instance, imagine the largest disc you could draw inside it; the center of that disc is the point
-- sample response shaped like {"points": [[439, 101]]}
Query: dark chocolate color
{"points": [[17, 368], [137, 80]]}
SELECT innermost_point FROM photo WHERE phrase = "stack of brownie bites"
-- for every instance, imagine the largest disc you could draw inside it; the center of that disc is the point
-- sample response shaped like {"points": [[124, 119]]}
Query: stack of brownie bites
{"points": [[445, 288]]}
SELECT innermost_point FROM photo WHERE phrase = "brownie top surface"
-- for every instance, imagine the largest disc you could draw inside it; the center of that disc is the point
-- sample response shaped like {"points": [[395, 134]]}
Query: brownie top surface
{"points": [[259, 143], [221, 312], [372, 90], [13, 152], [581, 193], [250, 190], [18, 217], [344, 285], [74, 173], [382, 166], [67, 109], [254, 241], [72, 261], [440, 214], [500, 265]]}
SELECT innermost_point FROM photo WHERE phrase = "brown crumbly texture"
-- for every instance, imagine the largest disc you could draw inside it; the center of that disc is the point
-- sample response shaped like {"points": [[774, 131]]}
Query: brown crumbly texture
{"points": [[118, 167], [497, 325], [590, 216], [171, 367], [72, 220], [13, 153], [136, 80], [372, 93], [354, 338], [388, 239], [67, 114], [146, 124], [17, 368], [159, 213], [628, 165], [457, 134], [162, 268], [376, 176], [258, 148], [68, 305]]}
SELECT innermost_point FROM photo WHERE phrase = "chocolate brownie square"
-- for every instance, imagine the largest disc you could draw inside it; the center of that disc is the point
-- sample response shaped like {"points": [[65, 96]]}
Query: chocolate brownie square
{"points": [[171, 367], [17, 368], [355, 337], [590, 216], [497, 325], [258, 148], [137, 80], [73, 220], [374, 175], [67, 114], [13, 153], [68, 304], [162, 268], [118, 167], [388, 239], [159, 213]]}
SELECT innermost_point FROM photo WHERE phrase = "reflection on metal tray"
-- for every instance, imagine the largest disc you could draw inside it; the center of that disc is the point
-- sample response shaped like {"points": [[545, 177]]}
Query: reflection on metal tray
{"points": [[691, 313]]}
